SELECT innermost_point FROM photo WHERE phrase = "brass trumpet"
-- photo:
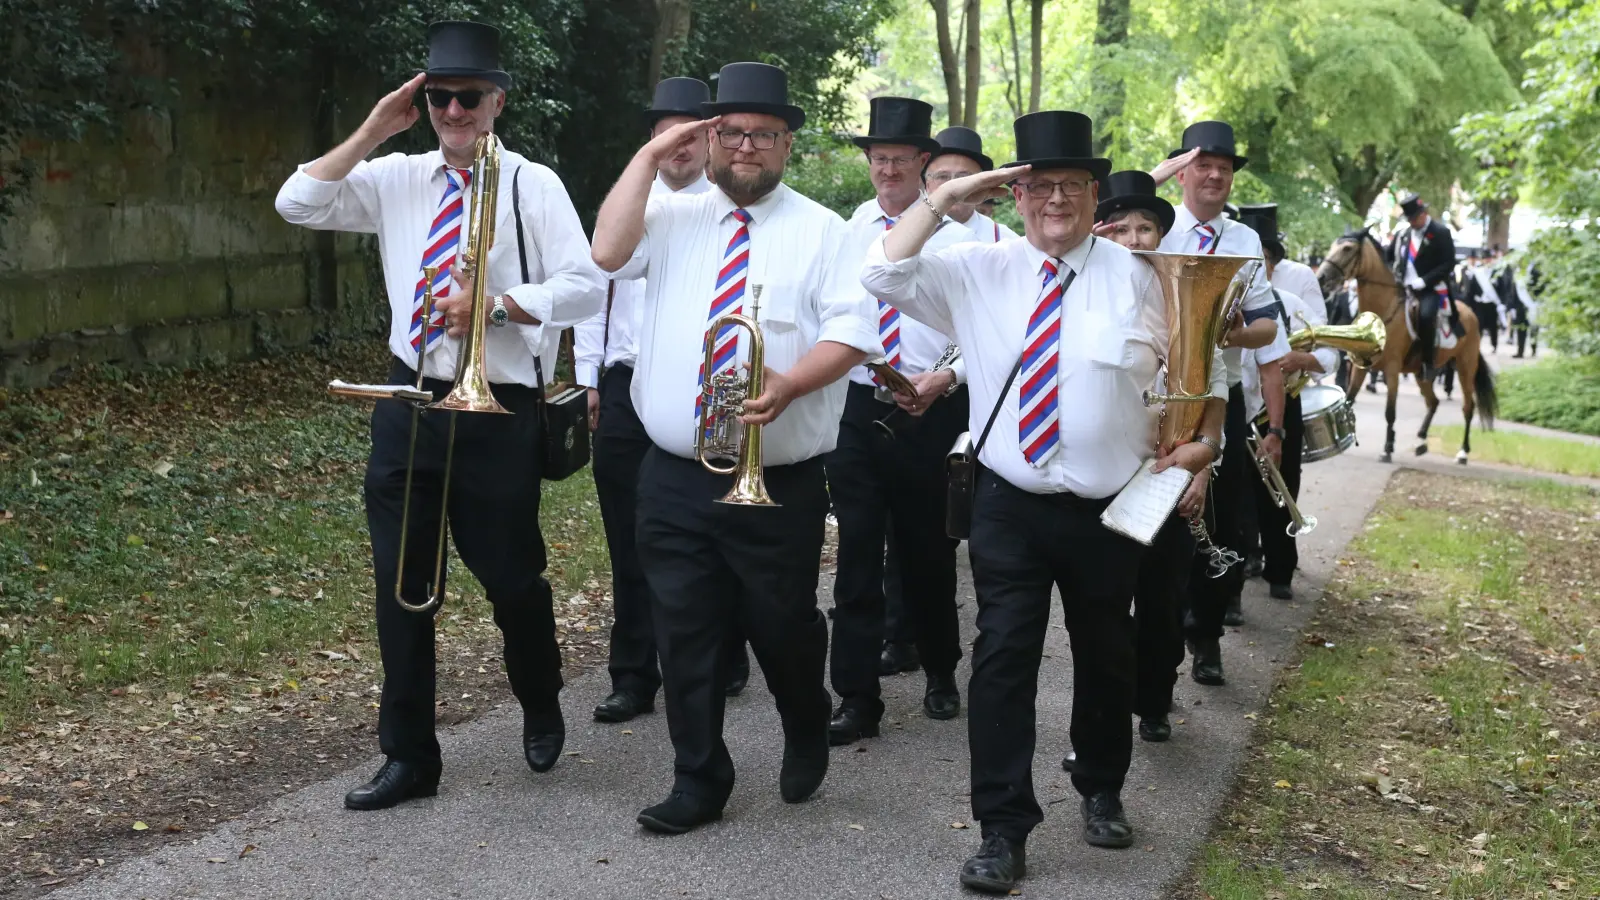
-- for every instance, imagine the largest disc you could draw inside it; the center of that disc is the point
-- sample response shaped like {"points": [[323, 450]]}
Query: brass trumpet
{"points": [[1299, 523], [1363, 339], [722, 397], [470, 392]]}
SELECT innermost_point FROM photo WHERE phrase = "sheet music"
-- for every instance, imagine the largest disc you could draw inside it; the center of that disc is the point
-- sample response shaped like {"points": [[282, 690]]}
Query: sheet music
{"points": [[1146, 502], [379, 391]]}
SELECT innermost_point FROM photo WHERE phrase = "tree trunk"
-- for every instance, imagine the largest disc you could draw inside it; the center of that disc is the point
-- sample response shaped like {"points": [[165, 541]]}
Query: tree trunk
{"points": [[1110, 35], [1016, 60], [1036, 28], [1258, 146], [947, 58], [1362, 178], [1498, 233], [672, 31], [974, 62]]}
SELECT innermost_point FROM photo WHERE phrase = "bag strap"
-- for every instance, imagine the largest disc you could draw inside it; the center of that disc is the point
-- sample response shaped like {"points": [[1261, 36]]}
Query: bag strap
{"points": [[605, 341], [1072, 276], [522, 257]]}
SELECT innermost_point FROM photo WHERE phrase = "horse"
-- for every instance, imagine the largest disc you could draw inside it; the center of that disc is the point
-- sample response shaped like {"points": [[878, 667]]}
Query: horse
{"points": [[1357, 255]]}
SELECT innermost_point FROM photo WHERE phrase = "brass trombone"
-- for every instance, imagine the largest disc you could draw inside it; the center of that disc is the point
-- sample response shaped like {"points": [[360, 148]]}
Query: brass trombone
{"points": [[722, 397], [470, 392], [1299, 523]]}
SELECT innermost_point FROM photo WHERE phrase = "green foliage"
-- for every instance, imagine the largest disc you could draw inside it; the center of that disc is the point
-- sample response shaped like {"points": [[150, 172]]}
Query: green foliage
{"points": [[832, 172], [1568, 261], [1560, 392]]}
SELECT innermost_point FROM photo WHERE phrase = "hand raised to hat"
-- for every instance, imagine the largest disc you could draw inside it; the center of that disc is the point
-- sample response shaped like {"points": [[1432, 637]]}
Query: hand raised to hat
{"points": [[665, 145], [394, 113], [974, 186], [1170, 167]]}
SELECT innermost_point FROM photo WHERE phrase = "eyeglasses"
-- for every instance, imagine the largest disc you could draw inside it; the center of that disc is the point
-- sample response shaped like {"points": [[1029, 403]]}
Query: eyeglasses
{"points": [[761, 140], [895, 162], [1044, 190], [440, 98]]}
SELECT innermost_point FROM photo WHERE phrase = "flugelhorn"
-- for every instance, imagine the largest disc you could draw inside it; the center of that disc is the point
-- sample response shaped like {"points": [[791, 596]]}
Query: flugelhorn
{"points": [[722, 397], [896, 419], [1363, 339], [470, 392]]}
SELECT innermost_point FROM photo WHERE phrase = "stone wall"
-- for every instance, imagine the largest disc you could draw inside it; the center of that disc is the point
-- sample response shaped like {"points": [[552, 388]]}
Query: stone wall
{"points": [[156, 242]]}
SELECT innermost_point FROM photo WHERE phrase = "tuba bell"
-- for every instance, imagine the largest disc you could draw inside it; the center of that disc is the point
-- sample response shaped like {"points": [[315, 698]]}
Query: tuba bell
{"points": [[722, 396], [1363, 339]]}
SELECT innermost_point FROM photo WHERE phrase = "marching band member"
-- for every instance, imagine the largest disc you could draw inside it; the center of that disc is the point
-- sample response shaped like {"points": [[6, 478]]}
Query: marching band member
{"points": [[749, 244], [416, 204], [606, 347], [880, 483], [1060, 320], [1204, 166]]}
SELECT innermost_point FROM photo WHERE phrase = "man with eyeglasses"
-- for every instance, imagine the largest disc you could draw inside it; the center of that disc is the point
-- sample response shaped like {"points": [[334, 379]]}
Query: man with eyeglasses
{"points": [[1062, 332], [1204, 166], [419, 205], [749, 245], [890, 485]]}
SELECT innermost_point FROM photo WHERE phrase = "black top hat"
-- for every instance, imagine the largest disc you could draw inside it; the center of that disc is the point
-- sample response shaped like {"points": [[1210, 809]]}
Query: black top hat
{"points": [[964, 141], [899, 120], [1210, 137], [1229, 210], [1265, 216], [756, 88], [466, 50], [677, 97], [1058, 139], [1133, 189], [1412, 205]]}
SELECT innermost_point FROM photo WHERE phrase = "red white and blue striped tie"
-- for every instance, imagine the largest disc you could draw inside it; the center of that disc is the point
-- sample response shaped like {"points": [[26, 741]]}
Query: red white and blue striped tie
{"points": [[444, 237], [889, 322], [1208, 237], [729, 298], [1038, 414]]}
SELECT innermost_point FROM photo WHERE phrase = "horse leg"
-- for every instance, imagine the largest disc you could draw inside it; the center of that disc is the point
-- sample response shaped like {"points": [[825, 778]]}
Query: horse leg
{"points": [[1468, 367], [1432, 399], [1390, 380]]}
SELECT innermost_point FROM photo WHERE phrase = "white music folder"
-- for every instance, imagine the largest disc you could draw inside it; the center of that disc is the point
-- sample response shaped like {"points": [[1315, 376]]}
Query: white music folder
{"points": [[1146, 502]]}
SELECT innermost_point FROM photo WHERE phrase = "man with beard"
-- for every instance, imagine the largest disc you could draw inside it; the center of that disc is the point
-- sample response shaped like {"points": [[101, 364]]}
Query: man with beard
{"points": [[418, 205], [749, 245]]}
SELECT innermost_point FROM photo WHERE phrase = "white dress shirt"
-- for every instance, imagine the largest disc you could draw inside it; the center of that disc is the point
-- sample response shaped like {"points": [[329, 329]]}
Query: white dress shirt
{"points": [[396, 198], [593, 348], [1300, 280], [920, 345], [1113, 333], [800, 257], [1233, 239], [988, 230], [1300, 314]]}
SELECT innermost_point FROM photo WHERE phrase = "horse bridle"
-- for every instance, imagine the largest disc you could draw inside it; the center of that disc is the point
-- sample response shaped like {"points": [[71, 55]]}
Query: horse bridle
{"points": [[1398, 305]]}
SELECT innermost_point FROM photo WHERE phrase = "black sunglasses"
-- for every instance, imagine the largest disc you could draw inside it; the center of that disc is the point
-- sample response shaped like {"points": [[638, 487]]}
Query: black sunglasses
{"points": [[440, 98]]}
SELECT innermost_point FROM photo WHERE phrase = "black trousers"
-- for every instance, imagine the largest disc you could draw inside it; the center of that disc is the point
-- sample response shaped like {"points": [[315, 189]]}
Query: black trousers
{"points": [[881, 485], [494, 522], [712, 566], [1022, 546], [898, 624], [1427, 325], [1489, 323], [1158, 617], [1280, 554], [1232, 494]]}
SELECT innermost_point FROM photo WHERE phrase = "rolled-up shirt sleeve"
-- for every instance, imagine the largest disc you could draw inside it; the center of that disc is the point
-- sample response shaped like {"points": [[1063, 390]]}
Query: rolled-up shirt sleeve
{"points": [[573, 288], [847, 316], [919, 285], [1259, 296], [350, 204]]}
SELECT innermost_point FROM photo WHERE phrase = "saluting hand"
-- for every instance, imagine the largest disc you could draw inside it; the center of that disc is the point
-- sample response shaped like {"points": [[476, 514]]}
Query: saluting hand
{"points": [[1170, 167], [395, 112], [665, 145], [974, 186]]}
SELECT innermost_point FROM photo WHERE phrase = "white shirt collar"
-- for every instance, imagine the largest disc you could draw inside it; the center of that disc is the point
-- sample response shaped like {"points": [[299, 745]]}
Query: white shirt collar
{"points": [[698, 186], [1076, 258], [758, 210], [1186, 221]]}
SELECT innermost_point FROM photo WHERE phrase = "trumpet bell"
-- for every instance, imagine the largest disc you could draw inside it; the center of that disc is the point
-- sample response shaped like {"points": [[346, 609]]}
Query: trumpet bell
{"points": [[1363, 338]]}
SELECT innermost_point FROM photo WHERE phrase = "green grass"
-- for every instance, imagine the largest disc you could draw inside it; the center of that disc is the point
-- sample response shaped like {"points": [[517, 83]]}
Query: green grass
{"points": [[1560, 392], [1530, 451], [166, 528], [1453, 676]]}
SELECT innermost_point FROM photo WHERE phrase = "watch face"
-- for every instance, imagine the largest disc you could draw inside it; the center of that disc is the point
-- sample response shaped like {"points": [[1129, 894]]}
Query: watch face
{"points": [[499, 315]]}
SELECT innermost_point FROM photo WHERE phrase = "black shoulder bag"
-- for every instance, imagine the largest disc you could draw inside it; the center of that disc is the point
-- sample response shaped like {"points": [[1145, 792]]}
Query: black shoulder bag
{"points": [[564, 418]]}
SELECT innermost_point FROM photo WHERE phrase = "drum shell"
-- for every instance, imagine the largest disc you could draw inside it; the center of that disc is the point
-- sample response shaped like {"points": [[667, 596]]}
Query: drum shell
{"points": [[1330, 422]]}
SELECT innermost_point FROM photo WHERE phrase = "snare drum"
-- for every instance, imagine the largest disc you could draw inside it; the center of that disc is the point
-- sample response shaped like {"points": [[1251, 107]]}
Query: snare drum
{"points": [[1330, 422]]}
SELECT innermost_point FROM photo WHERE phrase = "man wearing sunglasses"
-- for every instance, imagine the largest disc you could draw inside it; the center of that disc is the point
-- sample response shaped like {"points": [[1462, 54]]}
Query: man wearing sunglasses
{"points": [[749, 242], [420, 206]]}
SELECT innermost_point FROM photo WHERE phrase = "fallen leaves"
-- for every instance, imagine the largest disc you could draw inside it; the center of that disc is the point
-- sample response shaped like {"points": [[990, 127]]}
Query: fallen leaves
{"points": [[140, 826]]}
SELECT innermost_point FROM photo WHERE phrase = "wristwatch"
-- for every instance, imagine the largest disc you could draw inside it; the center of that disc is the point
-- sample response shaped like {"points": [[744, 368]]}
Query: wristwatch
{"points": [[1216, 448], [1278, 433], [499, 316]]}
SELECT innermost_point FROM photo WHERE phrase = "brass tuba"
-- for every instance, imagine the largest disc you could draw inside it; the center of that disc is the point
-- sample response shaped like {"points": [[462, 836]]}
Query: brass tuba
{"points": [[1363, 339], [470, 392], [722, 397]]}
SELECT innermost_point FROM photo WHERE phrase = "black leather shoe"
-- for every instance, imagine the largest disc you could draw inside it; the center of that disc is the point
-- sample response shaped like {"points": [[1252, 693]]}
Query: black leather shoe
{"points": [[1233, 613], [622, 706], [1253, 566], [1155, 729], [1281, 592], [898, 657], [1104, 822], [396, 782], [1207, 665], [678, 814], [739, 678], [997, 867], [942, 699], [850, 725], [802, 773], [1069, 761], [543, 736]]}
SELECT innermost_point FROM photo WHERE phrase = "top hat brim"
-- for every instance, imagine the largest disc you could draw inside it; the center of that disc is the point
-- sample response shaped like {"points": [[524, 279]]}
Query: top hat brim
{"points": [[922, 143], [1238, 161], [495, 76], [1098, 166], [985, 162], [793, 116], [1163, 210], [656, 114]]}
